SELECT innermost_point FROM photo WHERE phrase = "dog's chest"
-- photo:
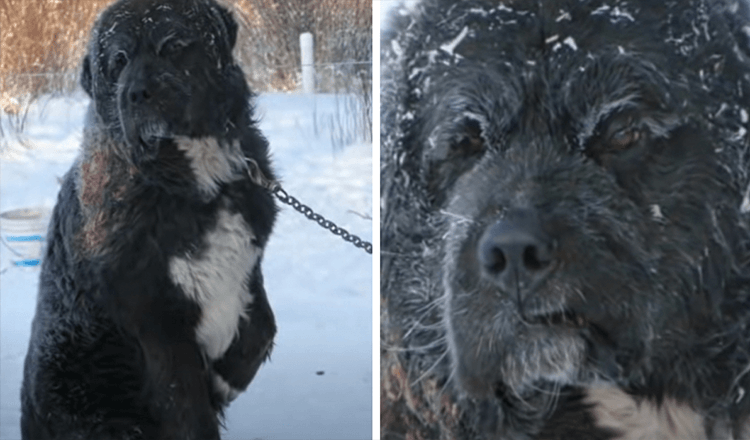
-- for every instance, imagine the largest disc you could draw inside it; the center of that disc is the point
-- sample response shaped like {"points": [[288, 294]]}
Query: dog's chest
{"points": [[218, 279], [614, 409]]}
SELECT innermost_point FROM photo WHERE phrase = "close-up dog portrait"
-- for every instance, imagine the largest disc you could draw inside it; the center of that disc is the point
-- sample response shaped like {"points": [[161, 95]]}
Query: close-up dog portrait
{"points": [[152, 315], [565, 201]]}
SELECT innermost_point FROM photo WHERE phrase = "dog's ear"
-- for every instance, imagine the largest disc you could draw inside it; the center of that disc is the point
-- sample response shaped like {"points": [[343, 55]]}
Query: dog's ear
{"points": [[86, 79], [228, 23]]}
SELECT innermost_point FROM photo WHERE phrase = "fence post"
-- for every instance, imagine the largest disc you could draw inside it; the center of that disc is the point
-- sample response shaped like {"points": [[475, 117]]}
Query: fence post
{"points": [[308, 62]]}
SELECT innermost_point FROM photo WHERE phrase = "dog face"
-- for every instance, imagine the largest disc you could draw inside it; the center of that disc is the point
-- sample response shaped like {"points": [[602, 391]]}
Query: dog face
{"points": [[152, 69], [565, 180], [562, 263]]}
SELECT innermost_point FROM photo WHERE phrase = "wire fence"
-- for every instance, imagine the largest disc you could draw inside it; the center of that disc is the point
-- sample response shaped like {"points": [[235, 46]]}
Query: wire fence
{"points": [[14, 84], [350, 79], [42, 56], [279, 66]]}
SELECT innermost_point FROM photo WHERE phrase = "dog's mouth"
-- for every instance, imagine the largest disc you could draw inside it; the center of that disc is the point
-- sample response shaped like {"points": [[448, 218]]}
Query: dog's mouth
{"points": [[146, 139], [152, 132], [146, 136]]}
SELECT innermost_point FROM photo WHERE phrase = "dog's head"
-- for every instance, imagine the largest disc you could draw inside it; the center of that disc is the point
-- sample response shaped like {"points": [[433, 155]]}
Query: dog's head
{"points": [[575, 172], [157, 70]]}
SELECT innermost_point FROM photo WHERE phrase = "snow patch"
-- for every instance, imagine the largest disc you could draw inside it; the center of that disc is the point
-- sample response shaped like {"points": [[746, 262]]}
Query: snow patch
{"points": [[396, 48], [565, 15], [571, 43], [615, 12], [478, 11], [741, 133], [451, 46], [745, 206], [656, 212]]}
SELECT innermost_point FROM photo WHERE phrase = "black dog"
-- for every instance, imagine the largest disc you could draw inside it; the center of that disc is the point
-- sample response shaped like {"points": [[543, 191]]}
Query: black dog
{"points": [[151, 313], [566, 249]]}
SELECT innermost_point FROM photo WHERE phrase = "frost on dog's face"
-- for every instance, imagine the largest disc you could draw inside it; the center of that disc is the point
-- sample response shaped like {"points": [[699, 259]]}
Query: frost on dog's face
{"points": [[151, 68], [571, 254], [588, 203]]}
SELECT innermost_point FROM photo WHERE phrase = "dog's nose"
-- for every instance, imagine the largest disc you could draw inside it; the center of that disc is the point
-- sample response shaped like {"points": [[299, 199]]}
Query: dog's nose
{"points": [[514, 252], [139, 94]]}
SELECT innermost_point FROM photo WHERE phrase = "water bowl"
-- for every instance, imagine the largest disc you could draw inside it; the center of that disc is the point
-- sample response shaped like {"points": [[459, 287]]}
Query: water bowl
{"points": [[22, 232]]}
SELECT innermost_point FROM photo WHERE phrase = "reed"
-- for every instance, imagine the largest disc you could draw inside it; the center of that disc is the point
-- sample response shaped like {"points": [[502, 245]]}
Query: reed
{"points": [[43, 41]]}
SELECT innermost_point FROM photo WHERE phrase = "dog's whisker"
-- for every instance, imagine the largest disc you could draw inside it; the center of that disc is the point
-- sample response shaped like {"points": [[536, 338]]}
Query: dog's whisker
{"points": [[457, 216]]}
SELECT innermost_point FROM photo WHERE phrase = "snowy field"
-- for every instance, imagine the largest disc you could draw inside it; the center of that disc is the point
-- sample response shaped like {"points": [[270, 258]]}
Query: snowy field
{"points": [[318, 384]]}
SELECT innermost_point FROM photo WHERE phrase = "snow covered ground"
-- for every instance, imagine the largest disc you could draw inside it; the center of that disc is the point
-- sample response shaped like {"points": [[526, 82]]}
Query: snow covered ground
{"points": [[318, 384]]}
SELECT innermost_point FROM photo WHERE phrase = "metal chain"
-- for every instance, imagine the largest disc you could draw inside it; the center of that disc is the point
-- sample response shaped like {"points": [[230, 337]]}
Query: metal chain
{"points": [[257, 176]]}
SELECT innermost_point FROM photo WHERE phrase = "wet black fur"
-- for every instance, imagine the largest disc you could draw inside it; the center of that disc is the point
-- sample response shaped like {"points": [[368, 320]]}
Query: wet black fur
{"points": [[113, 351], [638, 208]]}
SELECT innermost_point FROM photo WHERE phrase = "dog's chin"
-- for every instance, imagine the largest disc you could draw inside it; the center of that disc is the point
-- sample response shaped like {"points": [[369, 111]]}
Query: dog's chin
{"points": [[145, 140], [548, 353], [143, 126], [536, 353], [558, 350]]}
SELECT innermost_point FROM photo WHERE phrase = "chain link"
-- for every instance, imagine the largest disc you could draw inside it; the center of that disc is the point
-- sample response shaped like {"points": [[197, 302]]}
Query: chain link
{"points": [[257, 176]]}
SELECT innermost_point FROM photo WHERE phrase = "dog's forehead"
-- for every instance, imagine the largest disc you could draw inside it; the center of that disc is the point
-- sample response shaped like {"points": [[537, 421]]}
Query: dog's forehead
{"points": [[489, 60], [528, 99], [136, 19], [530, 40]]}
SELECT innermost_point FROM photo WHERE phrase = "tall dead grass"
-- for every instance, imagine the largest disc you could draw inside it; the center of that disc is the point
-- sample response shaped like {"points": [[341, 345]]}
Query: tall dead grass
{"points": [[341, 29], [342, 33], [43, 41]]}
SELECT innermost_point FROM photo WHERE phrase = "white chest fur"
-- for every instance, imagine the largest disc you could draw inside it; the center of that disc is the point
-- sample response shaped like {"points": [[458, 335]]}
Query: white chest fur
{"points": [[211, 162], [614, 409], [218, 281]]}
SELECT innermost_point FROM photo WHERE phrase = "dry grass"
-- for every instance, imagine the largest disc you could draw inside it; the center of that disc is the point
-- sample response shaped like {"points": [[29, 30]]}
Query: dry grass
{"points": [[342, 31], [43, 41]]}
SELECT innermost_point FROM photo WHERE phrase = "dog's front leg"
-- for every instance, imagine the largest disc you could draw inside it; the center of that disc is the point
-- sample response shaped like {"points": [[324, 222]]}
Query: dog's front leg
{"points": [[146, 304], [177, 381]]}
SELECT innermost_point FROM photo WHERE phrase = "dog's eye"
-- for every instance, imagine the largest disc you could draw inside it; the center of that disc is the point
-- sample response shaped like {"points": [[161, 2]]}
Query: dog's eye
{"points": [[619, 134], [470, 142], [117, 63], [624, 138], [173, 46], [446, 161]]}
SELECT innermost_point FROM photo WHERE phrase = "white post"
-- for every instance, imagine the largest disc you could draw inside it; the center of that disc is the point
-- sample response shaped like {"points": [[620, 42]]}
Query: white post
{"points": [[308, 62]]}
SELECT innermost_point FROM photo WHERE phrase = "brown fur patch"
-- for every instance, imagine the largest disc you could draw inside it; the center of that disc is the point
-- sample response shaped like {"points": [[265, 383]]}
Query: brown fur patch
{"points": [[412, 408], [614, 409], [103, 178], [94, 233], [94, 178]]}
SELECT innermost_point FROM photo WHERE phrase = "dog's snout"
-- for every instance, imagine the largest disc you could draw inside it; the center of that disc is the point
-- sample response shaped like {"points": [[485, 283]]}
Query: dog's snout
{"points": [[515, 251], [139, 94]]}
